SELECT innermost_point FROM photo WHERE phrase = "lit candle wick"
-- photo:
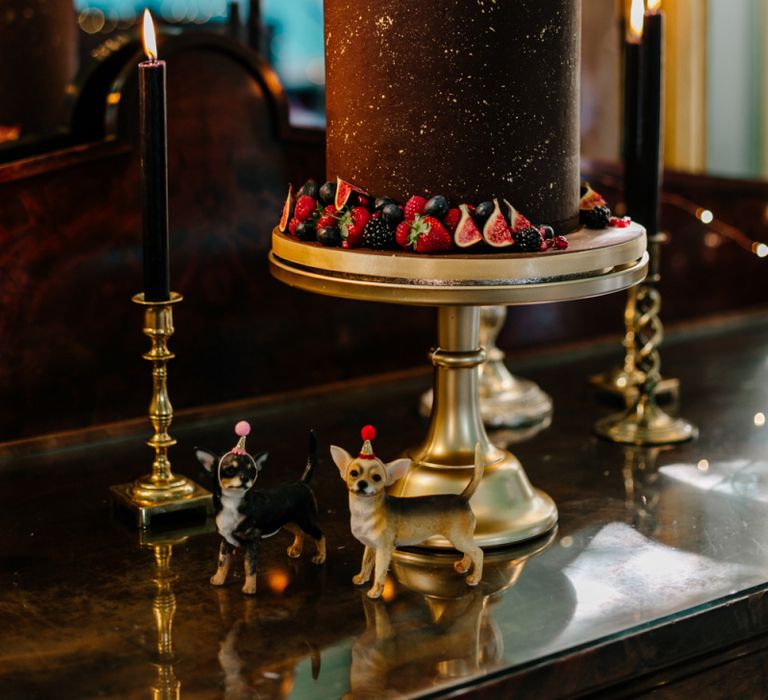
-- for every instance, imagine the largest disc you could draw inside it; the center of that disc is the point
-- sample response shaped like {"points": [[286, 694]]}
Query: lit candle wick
{"points": [[150, 43], [654, 7], [636, 17]]}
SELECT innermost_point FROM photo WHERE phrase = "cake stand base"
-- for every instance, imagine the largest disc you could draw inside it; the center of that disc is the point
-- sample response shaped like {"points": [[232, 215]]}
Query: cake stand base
{"points": [[508, 509]]}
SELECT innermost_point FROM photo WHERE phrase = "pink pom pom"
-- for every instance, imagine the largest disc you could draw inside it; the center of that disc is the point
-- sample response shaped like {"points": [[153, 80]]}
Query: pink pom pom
{"points": [[243, 428], [368, 432]]}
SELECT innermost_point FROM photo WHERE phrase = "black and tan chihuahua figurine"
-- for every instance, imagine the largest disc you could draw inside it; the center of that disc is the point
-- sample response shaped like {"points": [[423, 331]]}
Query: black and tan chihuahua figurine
{"points": [[246, 515], [382, 522]]}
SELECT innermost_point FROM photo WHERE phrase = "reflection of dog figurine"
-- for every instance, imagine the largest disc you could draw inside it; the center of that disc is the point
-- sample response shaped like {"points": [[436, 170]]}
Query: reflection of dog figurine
{"points": [[382, 522], [245, 515]]}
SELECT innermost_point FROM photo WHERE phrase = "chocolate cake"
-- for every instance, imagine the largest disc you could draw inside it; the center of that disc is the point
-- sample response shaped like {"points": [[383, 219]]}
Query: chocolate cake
{"points": [[471, 99]]}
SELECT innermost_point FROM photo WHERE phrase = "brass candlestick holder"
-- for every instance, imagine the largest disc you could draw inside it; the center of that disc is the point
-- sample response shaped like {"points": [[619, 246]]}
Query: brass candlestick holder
{"points": [[644, 423], [505, 400], [161, 491], [624, 381]]}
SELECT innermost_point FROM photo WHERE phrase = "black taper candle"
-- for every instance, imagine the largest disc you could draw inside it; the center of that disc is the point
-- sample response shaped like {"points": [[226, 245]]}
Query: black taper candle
{"points": [[154, 180], [652, 72], [631, 141]]}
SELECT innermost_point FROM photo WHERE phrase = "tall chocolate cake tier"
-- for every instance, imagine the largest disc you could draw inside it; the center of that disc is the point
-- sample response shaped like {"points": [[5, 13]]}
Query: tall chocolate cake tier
{"points": [[467, 98]]}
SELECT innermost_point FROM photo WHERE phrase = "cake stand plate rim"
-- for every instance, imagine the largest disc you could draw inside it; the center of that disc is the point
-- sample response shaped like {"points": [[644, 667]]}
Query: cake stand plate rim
{"points": [[423, 293]]}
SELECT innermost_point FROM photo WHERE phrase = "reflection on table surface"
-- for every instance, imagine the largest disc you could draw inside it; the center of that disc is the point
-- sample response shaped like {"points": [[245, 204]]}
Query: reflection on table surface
{"points": [[646, 536]]}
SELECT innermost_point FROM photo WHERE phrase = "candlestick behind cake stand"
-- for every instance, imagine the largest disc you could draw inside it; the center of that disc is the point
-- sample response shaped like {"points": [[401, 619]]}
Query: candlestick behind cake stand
{"points": [[644, 423], [162, 491], [624, 381], [505, 400], [508, 509]]}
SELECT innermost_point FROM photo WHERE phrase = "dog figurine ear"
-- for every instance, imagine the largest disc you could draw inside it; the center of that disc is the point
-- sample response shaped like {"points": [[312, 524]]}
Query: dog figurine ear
{"points": [[206, 458], [342, 458], [396, 470], [260, 460]]}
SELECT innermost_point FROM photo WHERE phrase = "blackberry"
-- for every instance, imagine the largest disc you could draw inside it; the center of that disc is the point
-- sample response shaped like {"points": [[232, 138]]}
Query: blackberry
{"points": [[378, 235], [528, 240], [597, 217]]}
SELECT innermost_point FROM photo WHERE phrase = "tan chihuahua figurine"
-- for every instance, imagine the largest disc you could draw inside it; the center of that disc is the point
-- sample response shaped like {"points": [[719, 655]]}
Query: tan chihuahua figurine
{"points": [[382, 522]]}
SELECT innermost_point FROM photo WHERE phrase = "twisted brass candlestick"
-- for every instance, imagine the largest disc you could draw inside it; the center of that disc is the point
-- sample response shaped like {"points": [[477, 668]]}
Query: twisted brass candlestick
{"points": [[161, 491], [644, 423], [624, 381], [505, 400]]}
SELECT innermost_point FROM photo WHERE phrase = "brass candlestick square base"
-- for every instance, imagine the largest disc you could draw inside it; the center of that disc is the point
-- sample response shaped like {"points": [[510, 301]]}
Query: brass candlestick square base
{"points": [[196, 497]]}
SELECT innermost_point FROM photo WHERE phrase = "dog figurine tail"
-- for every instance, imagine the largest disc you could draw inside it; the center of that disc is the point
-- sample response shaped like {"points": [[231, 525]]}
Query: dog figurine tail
{"points": [[311, 459], [477, 476]]}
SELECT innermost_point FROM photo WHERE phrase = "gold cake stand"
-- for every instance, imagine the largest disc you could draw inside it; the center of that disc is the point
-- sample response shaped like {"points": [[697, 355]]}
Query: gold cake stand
{"points": [[507, 507]]}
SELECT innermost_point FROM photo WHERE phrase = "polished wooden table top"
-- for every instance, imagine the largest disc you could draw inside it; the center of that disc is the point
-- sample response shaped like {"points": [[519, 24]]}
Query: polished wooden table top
{"points": [[654, 578]]}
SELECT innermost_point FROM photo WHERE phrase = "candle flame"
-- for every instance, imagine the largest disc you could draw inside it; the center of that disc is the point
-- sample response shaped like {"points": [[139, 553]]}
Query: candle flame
{"points": [[636, 18], [150, 43], [654, 6]]}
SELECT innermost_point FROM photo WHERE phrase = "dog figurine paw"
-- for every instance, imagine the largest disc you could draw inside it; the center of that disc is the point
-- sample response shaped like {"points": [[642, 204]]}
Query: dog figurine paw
{"points": [[382, 522], [246, 515]]}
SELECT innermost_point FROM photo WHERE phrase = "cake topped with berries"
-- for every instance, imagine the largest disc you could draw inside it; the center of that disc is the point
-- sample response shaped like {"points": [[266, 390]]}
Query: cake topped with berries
{"points": [[453, 127]]}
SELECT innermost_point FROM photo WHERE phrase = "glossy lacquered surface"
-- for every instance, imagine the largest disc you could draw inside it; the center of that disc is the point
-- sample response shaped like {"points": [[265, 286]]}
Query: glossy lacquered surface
{"points": [[661, 556]]}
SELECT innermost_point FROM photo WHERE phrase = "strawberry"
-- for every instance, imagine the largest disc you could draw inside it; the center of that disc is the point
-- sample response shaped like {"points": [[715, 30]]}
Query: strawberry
{"points": [[328, 218], [414, 206], [451, 219], [352, 224], [403, 233], [428, 235], [292, 225], [305, 207]]}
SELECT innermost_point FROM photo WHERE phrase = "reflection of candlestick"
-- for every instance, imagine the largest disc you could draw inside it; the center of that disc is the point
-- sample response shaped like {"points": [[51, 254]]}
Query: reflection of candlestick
{"points": [[154, 172], [652, 66], [632, 109]]}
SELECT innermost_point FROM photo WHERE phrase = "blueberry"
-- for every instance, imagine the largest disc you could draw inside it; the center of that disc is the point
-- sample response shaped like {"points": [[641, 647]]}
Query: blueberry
{"points": [[329, 236], [547, 232], [328, 193], [381, 202], [392, 214], [483, 211], [310, 188], [305, 231], [437, 206]]}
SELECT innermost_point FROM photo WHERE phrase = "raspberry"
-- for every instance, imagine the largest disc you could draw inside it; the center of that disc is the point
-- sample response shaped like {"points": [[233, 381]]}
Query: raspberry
{"points": [[415, 205], [305, 207]]}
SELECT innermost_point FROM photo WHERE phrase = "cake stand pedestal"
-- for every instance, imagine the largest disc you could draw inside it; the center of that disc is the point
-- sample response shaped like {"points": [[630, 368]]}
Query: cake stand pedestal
{"points": [[507, 507], [505, 400]]}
